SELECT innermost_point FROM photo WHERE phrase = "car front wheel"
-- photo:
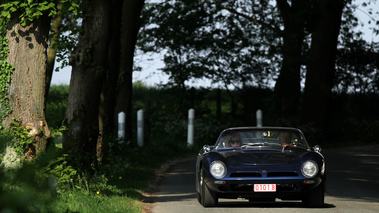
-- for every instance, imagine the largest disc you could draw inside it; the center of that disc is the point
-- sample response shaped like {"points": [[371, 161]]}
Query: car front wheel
{"points": [[208, 197], [315, 198]]}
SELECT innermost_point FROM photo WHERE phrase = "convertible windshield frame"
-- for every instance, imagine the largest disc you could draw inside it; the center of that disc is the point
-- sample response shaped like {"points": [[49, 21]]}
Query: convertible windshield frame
{"points": [[261, 137]]}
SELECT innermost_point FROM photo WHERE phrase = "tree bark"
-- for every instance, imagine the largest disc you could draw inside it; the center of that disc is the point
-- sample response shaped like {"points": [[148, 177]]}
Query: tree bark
{"points": [[321, 67], [287, 87], [109, 88], [130, 25], [89, 65], [27, 52]]}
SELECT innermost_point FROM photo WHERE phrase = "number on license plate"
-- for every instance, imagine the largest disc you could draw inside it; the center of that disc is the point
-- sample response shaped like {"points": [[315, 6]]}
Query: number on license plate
{"points": [[264, 187]]}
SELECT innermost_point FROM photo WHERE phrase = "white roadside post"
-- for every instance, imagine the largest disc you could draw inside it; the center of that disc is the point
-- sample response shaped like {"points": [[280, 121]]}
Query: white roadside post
{"points": [[191, 121], [140, 138], [121, 125], [259, 118]]}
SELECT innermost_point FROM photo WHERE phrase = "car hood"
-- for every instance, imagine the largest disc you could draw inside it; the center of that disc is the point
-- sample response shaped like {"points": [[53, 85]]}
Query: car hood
{"points": [[263, 157]]}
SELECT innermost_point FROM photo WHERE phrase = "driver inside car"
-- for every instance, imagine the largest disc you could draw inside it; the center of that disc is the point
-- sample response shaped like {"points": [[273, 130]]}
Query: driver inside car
{"points": [[234, 140], [285, 138]]}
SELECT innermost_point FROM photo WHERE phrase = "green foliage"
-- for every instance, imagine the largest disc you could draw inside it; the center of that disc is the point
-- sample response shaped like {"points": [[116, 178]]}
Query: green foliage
{"points": [[21, 138], [214, 43], [76, 202], [69, 179], [5, 74], [50, 183], [239, 43], [69, 35], [62, 170], [24, 189], [56, 105], [33, 9]]}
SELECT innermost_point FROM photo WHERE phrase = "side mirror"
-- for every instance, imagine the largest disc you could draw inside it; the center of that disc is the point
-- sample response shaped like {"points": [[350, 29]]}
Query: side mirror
{"points": [[317, 148], [206, 148]]}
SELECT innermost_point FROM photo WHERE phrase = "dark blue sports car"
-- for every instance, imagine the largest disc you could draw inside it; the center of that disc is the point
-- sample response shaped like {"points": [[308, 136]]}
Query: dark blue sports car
{"points": [[261, 164]]}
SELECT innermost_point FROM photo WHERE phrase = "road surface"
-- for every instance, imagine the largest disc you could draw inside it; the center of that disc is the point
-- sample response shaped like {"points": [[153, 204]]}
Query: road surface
{"points": [[352, 186]]}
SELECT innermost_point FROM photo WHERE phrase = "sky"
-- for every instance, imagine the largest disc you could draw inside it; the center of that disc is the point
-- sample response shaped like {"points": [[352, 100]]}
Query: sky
{"points": [[152, 76]]}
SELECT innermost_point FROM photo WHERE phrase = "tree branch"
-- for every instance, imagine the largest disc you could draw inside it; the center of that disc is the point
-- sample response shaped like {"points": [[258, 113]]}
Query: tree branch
{"points": [[274, 29]]}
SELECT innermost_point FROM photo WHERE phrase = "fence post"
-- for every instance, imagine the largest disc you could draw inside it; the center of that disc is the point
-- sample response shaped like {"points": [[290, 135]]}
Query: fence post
{"points": [[140, 130], [191, 121], [121, 125], [259, 118]]}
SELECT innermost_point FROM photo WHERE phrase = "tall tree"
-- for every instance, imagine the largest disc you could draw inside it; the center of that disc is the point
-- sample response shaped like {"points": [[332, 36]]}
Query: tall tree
{"points": [[357, 61], [321, 64], [103, 54], [27, 42], [89, 66], [287, 86], [130, 25], [110, 84]]}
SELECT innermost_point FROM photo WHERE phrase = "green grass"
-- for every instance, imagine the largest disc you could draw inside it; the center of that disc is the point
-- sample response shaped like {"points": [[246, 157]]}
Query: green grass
{"points": [[77, 202]]}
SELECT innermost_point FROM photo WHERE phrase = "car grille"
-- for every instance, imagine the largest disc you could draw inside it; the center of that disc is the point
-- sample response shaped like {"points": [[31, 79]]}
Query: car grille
{"points": [[246, 174], [282, 174], [270, 174]]}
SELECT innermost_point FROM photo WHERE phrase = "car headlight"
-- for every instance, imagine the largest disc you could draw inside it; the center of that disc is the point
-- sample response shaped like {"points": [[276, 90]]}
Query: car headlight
{"points": [[217, 169], [309, 169]]}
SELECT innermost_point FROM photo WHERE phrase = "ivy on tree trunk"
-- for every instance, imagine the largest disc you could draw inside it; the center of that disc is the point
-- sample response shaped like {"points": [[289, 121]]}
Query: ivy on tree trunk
{"points": [[27, 53]]}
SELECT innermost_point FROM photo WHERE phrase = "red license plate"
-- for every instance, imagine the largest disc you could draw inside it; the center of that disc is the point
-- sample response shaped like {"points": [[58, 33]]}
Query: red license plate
{"points": [[264, 187]]}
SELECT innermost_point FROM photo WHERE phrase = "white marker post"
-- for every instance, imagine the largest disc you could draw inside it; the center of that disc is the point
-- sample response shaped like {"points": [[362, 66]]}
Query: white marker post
{"points": [[259, 118], [140, 138], [191, 128], [121, 125]]}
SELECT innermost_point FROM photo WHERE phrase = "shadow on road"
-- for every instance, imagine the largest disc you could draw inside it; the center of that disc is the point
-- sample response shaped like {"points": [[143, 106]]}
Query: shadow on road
{"points": [[353, 173], [280, 204]]}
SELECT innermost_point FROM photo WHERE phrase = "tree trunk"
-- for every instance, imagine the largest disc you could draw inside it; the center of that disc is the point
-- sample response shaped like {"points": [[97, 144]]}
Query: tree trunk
{"points": [[27, 52], [321, 67], [89, 65], [109, 88], [287, 87], [130, 25], [55, 25]]}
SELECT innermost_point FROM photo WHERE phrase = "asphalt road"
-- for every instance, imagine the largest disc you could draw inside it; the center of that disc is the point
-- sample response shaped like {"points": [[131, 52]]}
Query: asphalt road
{"points": [[352, 186]]}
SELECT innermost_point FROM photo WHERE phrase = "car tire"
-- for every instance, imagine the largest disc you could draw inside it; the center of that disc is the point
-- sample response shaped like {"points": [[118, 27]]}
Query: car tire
{"points": [[316, 197], [208, 197]]}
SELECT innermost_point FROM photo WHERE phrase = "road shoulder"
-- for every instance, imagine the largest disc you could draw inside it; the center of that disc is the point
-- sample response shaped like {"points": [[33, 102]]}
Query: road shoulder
{"points": [[150, 193]]}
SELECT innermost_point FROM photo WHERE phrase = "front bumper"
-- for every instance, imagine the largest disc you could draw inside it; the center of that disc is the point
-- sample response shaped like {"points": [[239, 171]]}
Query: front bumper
{"points": [[285, 188]]}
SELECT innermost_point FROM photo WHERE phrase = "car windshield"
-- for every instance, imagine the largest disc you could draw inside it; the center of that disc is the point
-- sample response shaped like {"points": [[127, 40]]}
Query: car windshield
{"points": [[246, 138]]}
